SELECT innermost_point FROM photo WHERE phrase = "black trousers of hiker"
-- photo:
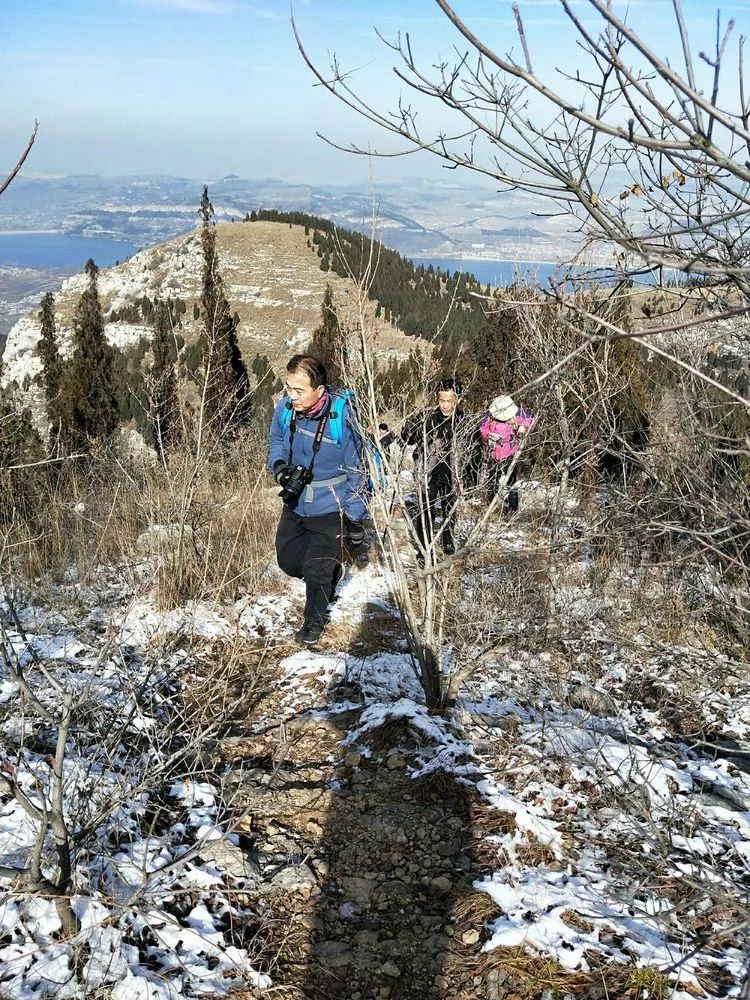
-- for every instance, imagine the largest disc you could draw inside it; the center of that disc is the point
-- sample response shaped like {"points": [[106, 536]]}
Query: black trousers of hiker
{"points": [[439, 491], [311, 549], [497, 471]]}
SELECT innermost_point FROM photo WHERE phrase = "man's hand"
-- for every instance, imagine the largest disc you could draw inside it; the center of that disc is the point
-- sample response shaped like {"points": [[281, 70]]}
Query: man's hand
{"points": [[354, 533], [281, 472]]}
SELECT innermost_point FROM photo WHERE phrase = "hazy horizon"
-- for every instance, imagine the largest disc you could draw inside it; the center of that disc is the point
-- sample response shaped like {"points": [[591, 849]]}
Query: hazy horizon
{"points": [[206, 88]]}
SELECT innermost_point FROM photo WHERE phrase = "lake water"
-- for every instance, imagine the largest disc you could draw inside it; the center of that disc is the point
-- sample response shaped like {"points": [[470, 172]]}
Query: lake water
{"points": [[504, 272], [60, 250], [492, 272]]}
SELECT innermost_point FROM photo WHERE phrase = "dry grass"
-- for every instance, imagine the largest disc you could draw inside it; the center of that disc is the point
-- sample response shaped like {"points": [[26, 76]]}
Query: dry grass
{"points": [[392, 734], [195, 530], [436, 787], [574, 919], [528, 976], [379, 630], [229, 680], [646, 983], [534, 855], [475, 908], [281, 944]]}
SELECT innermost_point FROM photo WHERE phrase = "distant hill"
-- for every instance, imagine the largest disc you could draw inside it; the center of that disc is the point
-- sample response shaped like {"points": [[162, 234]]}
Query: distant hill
{"points": [[272, 278], [418, 217]]}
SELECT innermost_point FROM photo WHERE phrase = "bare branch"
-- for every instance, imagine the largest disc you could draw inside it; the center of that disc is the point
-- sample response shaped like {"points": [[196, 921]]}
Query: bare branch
{"points": [[21, 162]]}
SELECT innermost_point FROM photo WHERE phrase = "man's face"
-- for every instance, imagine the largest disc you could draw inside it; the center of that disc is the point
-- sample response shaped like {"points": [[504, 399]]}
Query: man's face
{"points": [[447, 401], [302, 394]]}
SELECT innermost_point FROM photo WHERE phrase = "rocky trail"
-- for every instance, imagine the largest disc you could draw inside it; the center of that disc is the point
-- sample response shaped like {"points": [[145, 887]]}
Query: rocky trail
{"points": [[559, 836], [371, 868], [375, 828]]}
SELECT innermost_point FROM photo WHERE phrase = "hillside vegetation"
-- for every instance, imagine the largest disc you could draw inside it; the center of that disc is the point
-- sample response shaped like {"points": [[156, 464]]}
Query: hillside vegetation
{"points": [[273, 281]]}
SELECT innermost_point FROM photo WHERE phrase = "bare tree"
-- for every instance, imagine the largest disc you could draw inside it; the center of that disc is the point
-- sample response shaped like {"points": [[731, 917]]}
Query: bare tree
{"points": [[649, 166], [422, 575], [638, 155]]}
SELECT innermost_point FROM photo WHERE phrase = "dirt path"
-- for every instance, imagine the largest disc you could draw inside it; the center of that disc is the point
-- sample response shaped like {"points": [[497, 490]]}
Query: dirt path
{"points": [[369, 823], [372, 867], [365, 873]]}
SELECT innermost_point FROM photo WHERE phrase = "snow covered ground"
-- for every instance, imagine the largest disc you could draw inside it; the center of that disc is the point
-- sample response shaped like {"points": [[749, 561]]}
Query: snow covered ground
{"points": [[616, 841], [139, 860]]}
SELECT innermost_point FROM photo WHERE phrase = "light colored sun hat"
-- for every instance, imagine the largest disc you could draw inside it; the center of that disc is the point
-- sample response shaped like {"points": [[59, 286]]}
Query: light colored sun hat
{"points": [[502, 408]]}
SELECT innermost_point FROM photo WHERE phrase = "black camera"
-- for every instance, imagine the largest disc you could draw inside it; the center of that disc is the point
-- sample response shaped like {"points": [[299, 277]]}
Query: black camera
{"points": [[298, 479]]}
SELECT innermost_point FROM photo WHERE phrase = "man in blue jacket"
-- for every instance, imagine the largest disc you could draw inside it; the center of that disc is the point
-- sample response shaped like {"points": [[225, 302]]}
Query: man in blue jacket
{"points": [[315, 455]]}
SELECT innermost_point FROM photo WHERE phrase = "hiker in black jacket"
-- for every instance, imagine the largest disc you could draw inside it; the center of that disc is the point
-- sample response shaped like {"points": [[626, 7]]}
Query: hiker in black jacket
{"points": [[447, 453]]}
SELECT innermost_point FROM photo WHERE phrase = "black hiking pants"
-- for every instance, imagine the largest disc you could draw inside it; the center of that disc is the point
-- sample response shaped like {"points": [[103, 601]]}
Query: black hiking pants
{"points": [[311, 548], [439, 493], [497, 471]]}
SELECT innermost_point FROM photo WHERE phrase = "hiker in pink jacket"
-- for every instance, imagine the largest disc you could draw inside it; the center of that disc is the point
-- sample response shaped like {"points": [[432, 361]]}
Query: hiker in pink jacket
{"points": [[501, 432]]}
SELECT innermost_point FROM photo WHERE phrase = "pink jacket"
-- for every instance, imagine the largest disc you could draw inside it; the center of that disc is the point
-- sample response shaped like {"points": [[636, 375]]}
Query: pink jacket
{"points": [[503, 439]]}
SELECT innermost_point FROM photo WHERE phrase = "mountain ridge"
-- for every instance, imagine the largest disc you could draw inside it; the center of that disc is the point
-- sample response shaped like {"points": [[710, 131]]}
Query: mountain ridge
{"points": [[272, 279]]}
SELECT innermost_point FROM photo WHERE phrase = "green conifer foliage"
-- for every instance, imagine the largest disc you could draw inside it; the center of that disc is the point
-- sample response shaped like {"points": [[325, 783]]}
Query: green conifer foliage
{"points": [[49, 355], [163, 411], [327, 342], [227, 395], [89, 407], [490, 365], [267, 386], [19, 445]]}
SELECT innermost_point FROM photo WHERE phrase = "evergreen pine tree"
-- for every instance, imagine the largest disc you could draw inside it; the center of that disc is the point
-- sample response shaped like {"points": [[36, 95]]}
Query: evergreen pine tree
{"points": [[227, 397], [490, 363], [19, 444], [267, 385], [163, 381], [89, 409], [327, 342], [49, 355]]}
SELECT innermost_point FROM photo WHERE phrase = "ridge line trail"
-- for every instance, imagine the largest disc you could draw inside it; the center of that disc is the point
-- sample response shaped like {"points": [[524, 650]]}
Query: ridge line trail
{"points": [[437, 852], [379, 860]]}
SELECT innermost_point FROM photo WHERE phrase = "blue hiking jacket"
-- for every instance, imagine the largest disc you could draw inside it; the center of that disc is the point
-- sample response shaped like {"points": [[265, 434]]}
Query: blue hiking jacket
{"points": [[338, 480]]}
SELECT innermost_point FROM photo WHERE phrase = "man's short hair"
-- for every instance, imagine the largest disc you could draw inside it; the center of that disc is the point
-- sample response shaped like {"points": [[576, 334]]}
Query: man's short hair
{"points": [[312, 367], [449, 385]]}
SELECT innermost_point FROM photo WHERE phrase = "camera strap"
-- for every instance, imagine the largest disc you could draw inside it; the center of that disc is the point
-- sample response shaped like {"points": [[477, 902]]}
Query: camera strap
{"points": [[317, 440]]}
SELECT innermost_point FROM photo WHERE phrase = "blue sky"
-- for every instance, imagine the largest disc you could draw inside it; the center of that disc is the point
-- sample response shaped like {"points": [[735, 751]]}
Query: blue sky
{"points": [[202, 88]]}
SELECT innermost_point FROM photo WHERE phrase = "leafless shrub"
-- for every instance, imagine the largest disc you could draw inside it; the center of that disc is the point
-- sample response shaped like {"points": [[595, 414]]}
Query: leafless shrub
{"points": [[204, 526]]}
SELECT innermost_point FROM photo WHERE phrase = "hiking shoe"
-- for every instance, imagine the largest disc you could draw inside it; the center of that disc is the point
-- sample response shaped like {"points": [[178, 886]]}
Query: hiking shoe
{"points": [[309, 633]]}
